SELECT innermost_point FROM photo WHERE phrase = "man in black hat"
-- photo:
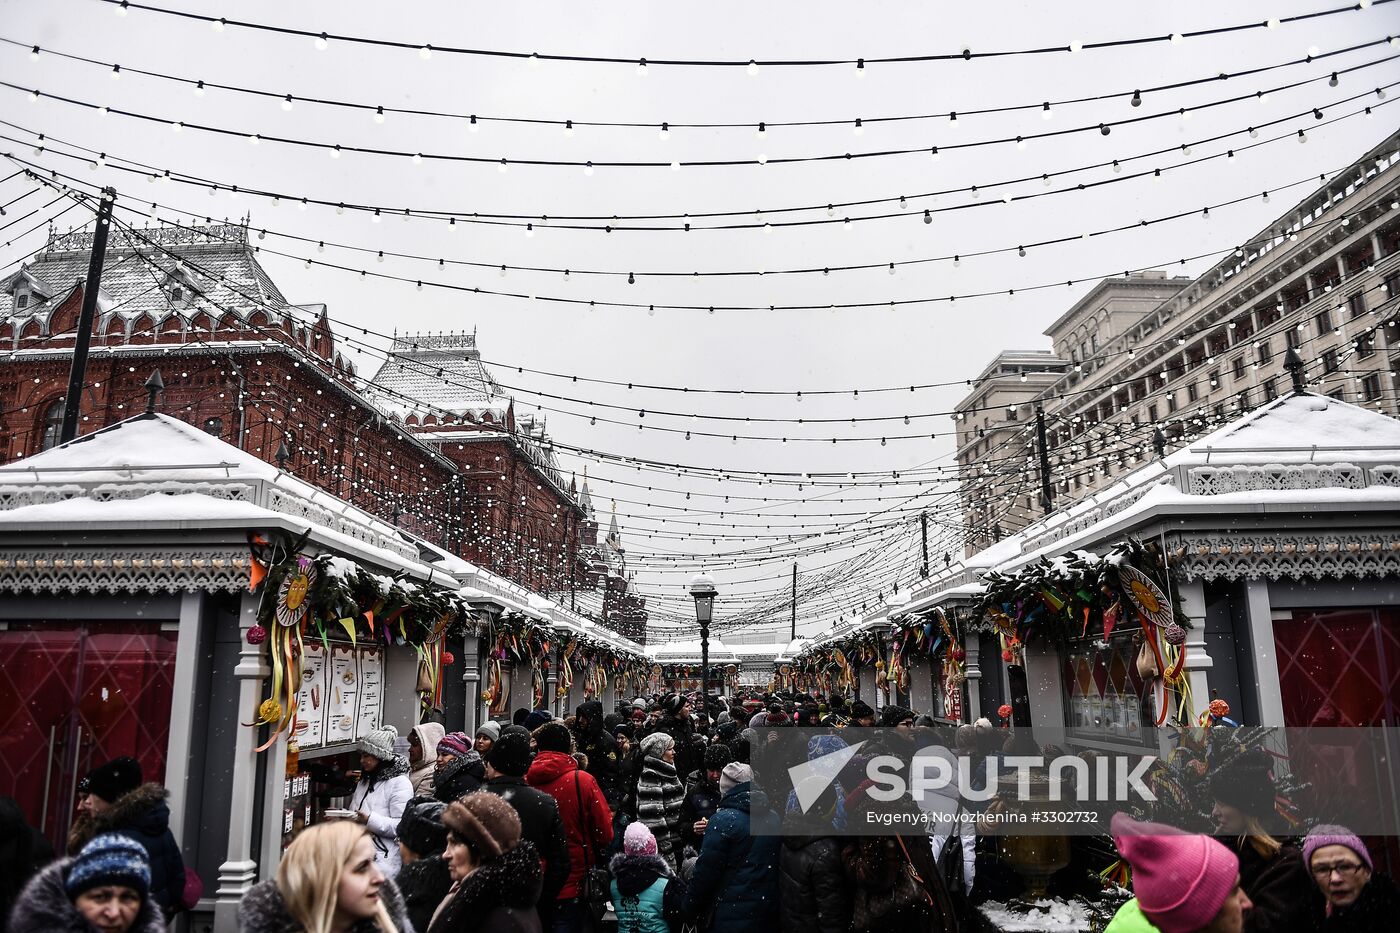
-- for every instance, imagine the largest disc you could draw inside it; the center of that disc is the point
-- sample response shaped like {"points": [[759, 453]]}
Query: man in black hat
{"points": [[540, 823], [424, 879], [113, 799], [862, 714]]}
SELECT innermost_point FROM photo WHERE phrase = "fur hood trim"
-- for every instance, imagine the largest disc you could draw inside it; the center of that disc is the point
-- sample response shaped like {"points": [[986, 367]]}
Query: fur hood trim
{"points": [[636, 873], [143, 809], [263, 910], [44, 907], [512, 881]]}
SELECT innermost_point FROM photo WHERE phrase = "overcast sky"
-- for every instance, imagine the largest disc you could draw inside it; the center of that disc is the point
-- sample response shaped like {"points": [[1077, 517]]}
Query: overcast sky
{"points": [[750, 350]]}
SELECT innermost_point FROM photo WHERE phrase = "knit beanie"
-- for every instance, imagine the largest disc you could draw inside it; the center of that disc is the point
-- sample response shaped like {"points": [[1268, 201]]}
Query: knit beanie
{"points": [[109, 859], [455, 744], [1180, 880], [421, 828], [490, 729], [655, 745], [717, 756], [860, 710], [536, 719], [637, 839], [510, 754], [733, 775], [640, 704], [486, 822], [894, 715], [819, 746], [379, 743], [672, 703], [554, 737], [110, 781], [778, 718], [1330, 834], [1245, 784]]}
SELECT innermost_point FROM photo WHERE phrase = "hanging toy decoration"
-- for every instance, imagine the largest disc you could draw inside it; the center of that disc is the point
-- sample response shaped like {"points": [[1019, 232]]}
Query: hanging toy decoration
{"points": [[256, 635], [1174, 634], [1004, 712], [448, 659], [1145, 596]]}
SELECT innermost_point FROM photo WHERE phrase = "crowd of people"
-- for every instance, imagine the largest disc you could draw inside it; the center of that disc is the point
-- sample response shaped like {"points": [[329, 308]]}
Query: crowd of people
{"points": [[649, 815]]}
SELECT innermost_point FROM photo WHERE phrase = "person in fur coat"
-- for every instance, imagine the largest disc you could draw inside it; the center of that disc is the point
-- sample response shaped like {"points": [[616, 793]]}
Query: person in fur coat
{"points": [[496, 875], [660, 795], [328, 879], [646, 895], [113, 799], [106, 887]]}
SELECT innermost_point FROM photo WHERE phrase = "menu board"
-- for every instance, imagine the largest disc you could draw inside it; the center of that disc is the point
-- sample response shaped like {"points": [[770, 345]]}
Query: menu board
{"points": [[371, 699], [311, 698], [342, 695]]}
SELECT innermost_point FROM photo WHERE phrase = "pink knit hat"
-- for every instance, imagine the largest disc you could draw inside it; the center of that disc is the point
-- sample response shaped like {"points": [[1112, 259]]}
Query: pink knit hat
{"points": [[1181, 880], [638, 840]]}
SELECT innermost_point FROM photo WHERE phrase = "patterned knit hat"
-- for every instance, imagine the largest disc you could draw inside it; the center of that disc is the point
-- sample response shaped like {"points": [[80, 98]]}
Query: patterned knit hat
{"points": [[672, 703], [455, 744], [638, 840], [109, 859], [655, 745], [379, 743], [117, 777], [486, 822]]}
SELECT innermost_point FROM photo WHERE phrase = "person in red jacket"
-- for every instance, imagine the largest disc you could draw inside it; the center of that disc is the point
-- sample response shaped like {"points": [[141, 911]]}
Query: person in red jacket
{"points": [[583, 809]]}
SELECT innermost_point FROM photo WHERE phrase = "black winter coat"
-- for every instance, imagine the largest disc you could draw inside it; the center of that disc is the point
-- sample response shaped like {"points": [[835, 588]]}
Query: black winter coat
{"points": [[701, 802], [44, 907], [143, 815], [263, 910], [542, 826], [812, 886], [1377, 910], [423, 884], [460, 777], [499, 897], [604, 760], [1286, 899]]}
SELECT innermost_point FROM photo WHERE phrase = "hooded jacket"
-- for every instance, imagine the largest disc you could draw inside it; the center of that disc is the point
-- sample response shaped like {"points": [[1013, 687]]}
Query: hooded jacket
{"points": [[737, 871], [604, 759], [143, 815], [383, 795], [646, 896], [701, 801], [581, 809], [812, 886], [44, 907], [541, 826], [429, 734], [499, 897], [263, 910]]}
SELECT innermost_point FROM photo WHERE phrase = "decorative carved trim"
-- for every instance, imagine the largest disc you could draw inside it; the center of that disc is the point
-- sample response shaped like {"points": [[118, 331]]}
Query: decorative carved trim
{"points": [[1285, 556], [14, 497], [94, 570], [288, 503], [1081, 522], [1385, 475], [1215, 481]]}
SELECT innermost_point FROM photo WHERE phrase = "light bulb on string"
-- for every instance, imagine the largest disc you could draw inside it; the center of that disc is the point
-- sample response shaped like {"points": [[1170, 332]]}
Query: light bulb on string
{"points": [[34, 54], [568, 129], [665, 133], [928, 216], [287, 102], [1137, 99], [472, 126], [859, 128], [116, 72], [1380, 91], [503, 167], [1045, 111], [675, 166], [752, 68], [1045, 180], [588, 168], [1020, 144], [217, 25], [641, 66], [426, 52], [121, 9], [1075, 45], [934, 155], [378, 114], [860, 67], [321, 42]]}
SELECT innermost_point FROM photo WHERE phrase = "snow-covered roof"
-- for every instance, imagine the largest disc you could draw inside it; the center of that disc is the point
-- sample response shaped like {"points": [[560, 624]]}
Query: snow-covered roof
{"points": [[1290, 459], [443, 371], [678, 652]]}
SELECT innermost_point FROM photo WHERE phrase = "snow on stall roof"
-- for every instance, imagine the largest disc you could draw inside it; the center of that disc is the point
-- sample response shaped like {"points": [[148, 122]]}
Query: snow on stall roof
{"points": [[180, 509], [1297, 423]]}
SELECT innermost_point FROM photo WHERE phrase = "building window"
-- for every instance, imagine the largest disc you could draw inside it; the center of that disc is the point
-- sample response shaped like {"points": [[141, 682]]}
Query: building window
{"points": [[214, 426], [1215, 379], [1371, 387], [1239, 367], [1323, 321], [1392, 285], [1171, 403], [1365, 346], [1011, 413], [1192, 393], [1271, 389], [177, 294], [1329, 361], [1152, 413], [53, 425], [21, 301], [1357, 305], [1292, 338], [1266, 353]]}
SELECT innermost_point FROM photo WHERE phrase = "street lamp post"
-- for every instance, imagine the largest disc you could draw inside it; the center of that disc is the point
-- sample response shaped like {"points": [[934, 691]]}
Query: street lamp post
{"points": [[702, 590]]}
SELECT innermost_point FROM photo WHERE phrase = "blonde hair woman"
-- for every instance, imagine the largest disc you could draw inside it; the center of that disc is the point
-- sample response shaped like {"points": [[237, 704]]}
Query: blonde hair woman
{"points": [[327, 882]]}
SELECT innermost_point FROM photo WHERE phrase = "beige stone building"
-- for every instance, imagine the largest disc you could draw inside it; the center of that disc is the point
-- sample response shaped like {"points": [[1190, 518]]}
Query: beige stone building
{"points": [[1146, 362]]}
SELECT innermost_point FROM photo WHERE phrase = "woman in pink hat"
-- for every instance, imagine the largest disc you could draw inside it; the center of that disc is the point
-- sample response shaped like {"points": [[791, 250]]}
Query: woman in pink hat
{"points": [[1182, 883]]}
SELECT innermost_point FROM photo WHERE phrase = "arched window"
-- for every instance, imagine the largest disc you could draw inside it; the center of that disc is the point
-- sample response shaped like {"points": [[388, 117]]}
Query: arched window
{"points": [[53, 425]]}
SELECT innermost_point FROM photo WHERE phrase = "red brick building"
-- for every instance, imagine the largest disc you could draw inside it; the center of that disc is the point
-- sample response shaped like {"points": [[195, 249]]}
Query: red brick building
{"points": [[429, 443]]}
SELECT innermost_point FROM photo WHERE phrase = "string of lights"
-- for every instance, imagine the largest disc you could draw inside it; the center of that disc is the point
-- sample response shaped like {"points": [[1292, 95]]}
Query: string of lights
{"points": [[750, 218], [474, 121], [503, 163], [323, 39]]}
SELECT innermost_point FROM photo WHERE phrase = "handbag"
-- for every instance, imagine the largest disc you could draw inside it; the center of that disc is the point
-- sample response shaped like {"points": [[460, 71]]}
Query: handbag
{"points": [[595, 890]]}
